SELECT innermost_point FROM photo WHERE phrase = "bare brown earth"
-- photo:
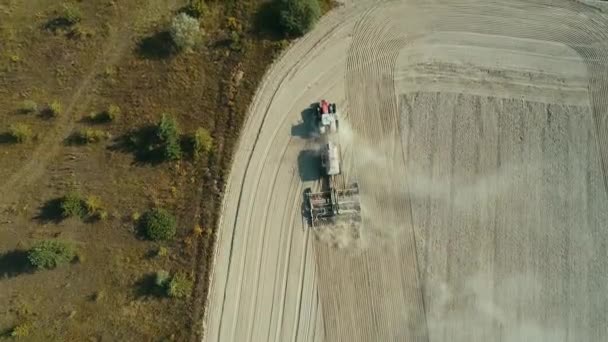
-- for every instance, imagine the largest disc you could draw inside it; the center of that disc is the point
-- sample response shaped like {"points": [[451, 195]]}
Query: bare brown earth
{"points": [[477, 133]]}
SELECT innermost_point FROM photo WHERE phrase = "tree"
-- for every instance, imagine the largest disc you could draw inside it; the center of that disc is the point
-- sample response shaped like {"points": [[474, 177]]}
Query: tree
{"points": [[185, 31], [159, 224], [48, 254], [296, 17], [168, 134]]}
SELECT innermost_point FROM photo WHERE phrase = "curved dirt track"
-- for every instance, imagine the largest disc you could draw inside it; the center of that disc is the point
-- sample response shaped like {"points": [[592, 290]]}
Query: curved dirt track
{"points": [[478, 137]]}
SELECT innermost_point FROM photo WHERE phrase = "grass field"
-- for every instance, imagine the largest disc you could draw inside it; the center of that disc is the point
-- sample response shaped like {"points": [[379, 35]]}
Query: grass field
{"points": [[118, 53]]}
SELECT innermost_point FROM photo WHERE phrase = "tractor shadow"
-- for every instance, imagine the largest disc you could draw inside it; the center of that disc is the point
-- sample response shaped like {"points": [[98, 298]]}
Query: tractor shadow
{"points": [[309, 165], [306, 126]]}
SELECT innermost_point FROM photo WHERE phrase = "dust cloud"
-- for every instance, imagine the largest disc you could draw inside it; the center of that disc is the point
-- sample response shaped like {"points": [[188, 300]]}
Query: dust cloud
{"points": [[471, 312]]}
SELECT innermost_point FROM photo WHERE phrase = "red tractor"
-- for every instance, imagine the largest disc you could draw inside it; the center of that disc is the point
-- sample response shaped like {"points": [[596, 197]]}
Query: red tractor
{"points": [[326, 116]]}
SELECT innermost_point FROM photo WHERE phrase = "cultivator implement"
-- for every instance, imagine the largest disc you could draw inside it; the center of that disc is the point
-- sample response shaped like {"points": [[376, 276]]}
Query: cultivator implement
{"points": [[327, 207]]}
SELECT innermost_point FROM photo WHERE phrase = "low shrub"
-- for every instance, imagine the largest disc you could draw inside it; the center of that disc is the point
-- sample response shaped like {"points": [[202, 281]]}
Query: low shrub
{"points": [[72, 205], [48, 254], [54, 108], [162, 278], [158, 224], [20, 132], [112, 113], [28, 106], [70, 13], [185, 32], [203, 142], [180, 286], [89, 136], [22, 330], [95, 208]]}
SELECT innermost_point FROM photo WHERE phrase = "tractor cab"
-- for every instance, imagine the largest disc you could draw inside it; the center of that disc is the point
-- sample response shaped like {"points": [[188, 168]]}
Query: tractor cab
{"points": [[327, 116]]}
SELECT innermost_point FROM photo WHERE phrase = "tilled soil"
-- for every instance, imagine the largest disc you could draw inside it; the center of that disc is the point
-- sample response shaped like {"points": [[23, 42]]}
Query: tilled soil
{"points": [[476, 132]]}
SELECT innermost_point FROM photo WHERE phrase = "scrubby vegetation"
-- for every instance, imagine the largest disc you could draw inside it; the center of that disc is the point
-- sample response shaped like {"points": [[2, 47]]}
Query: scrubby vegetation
{"points": [[70, 13], [177, 286], [54, 108], [88, 136], [112, 113], [95, 209], [20, 132], [159, 224], [185, 32], [169, 136], [203, 142], [196, 8], [297, 17], [180, 286], [21, 330], [49, 254], [162, 279], [72, 205], [28, 106], [91, 65]]}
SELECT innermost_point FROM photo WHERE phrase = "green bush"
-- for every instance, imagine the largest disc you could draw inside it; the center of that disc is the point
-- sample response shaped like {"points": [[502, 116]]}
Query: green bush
{"points": [[180, 286], [72, 205], [203, 142], [168, 134], [185, 31], [20, 132], [296, 17], [28, 106], [48, 254], [70, 13], [159, 224]]}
